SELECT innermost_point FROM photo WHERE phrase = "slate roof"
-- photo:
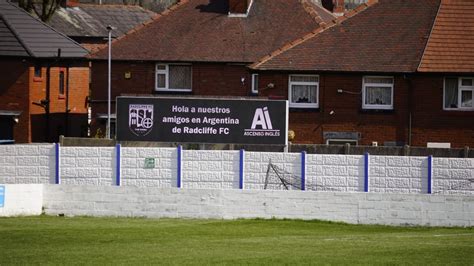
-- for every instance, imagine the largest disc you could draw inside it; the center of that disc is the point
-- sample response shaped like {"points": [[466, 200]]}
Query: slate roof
{"points": [[23, 35], [201, 30], [380, 36], [451, 44], [87, 20]]}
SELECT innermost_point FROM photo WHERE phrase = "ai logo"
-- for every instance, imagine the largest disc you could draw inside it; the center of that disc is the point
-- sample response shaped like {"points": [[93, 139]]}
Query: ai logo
{"points": [[262, 125], [140, 118], [262, 119]]}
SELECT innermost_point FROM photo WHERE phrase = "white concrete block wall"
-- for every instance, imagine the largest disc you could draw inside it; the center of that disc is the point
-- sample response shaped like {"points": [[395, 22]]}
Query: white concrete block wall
{"points": [[334, 172], [453, 176], [87, 165], [357, 208], [396, 174], [210, 169], [22, 200], [134, 173], [27, 164], [35, 164], [256, 165]]}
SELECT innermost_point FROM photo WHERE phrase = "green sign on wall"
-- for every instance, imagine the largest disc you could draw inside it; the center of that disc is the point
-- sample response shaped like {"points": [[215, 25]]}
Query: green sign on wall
{"points": [[149, 163]]}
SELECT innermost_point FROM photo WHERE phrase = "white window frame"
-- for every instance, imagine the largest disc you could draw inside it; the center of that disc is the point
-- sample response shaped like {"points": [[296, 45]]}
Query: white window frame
{"points": [[254, 77], [166, 73], [461, 88], [377, 106], [303, 105]]}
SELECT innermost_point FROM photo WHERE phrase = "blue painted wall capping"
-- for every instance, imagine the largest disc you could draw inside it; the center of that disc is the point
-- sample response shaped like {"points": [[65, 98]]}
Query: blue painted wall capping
{"points": [[241, 169], [180, 154], [303, 170], [430, 173], [366, 172], [118, 152], [57, 177]]}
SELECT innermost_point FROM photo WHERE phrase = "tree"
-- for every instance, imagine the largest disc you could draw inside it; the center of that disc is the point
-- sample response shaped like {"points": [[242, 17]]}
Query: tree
{"points": [[44, 9]]}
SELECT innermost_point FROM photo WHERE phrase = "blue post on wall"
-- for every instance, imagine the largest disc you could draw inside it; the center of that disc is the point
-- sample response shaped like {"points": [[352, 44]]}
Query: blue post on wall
{"points": [[241, 169], [303, 170], [430, 173], [366, 172], [117, 164], [180, 151], [57, 177]]}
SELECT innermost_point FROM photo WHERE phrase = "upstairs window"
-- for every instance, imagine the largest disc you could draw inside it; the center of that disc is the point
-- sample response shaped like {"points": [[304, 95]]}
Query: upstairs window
{"points": [[38, 73], [62, 82], [458, 93], [303, 91], [377, 92], [173, 77]]}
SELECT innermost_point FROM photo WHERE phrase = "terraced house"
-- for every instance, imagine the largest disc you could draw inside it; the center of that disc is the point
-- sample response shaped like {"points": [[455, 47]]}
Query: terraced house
{"points": [[388, 73], [44, 82], [201, 47]]}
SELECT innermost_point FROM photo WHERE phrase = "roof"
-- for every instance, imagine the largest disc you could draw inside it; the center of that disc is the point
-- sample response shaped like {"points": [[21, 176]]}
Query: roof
{"points": [[451, 44], [201, 30], [380, 36], [86, 20], [27, 36]]}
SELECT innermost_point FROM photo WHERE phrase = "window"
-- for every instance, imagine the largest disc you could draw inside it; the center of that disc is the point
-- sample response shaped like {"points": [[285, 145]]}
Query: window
{"points": [[61, 83], [173, 77], [303, 91], [458, 93], [377, 93], [38, 73], [255, 83]]}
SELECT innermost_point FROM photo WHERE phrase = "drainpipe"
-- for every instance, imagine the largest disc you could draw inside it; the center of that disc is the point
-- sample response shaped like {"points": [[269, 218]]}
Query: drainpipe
{"points": [[45, 102], [66, 129], [410, 107]]}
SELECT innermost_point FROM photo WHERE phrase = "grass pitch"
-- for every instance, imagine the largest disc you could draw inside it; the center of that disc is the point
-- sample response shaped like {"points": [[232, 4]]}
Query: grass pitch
{"points": [[83, 240]]}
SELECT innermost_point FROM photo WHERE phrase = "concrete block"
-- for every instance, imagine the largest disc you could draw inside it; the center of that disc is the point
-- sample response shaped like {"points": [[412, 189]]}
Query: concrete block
{"points": [[27, 171], [334, 160], [335, 171], [129, 152], [455, 163], [27, 150], [87, 161], [398, 172], [398, 161]]}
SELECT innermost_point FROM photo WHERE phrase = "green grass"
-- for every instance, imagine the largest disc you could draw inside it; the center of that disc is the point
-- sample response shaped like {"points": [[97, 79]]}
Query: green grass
{"points": [[84, 240]]}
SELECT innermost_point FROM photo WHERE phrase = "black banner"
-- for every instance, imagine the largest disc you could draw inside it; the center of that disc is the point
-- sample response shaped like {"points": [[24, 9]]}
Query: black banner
{"points": [[199, 120]]}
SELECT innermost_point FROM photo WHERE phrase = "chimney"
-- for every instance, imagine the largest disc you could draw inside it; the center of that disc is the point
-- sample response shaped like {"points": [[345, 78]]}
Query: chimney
{"points": [[239, 6], [339, 6], [335, 6]]}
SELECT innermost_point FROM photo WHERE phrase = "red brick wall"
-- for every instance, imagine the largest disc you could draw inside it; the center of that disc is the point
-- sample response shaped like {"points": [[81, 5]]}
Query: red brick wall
{"points": [[430, 123], [14, 82], [208, 79], [75, 124], [20, 89]]}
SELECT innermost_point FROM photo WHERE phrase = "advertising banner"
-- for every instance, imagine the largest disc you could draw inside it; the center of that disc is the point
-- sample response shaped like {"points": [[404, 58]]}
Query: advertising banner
{"points": [[200, 120]]}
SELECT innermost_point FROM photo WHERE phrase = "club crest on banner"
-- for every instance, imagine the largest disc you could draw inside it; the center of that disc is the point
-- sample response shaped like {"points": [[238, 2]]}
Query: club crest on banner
{"points": [[140, 119]]}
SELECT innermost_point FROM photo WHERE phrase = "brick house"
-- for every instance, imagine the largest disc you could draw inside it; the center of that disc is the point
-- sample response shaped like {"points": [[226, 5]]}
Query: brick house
{"points": [[44, 82], [200, 47], [398, 72]]}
